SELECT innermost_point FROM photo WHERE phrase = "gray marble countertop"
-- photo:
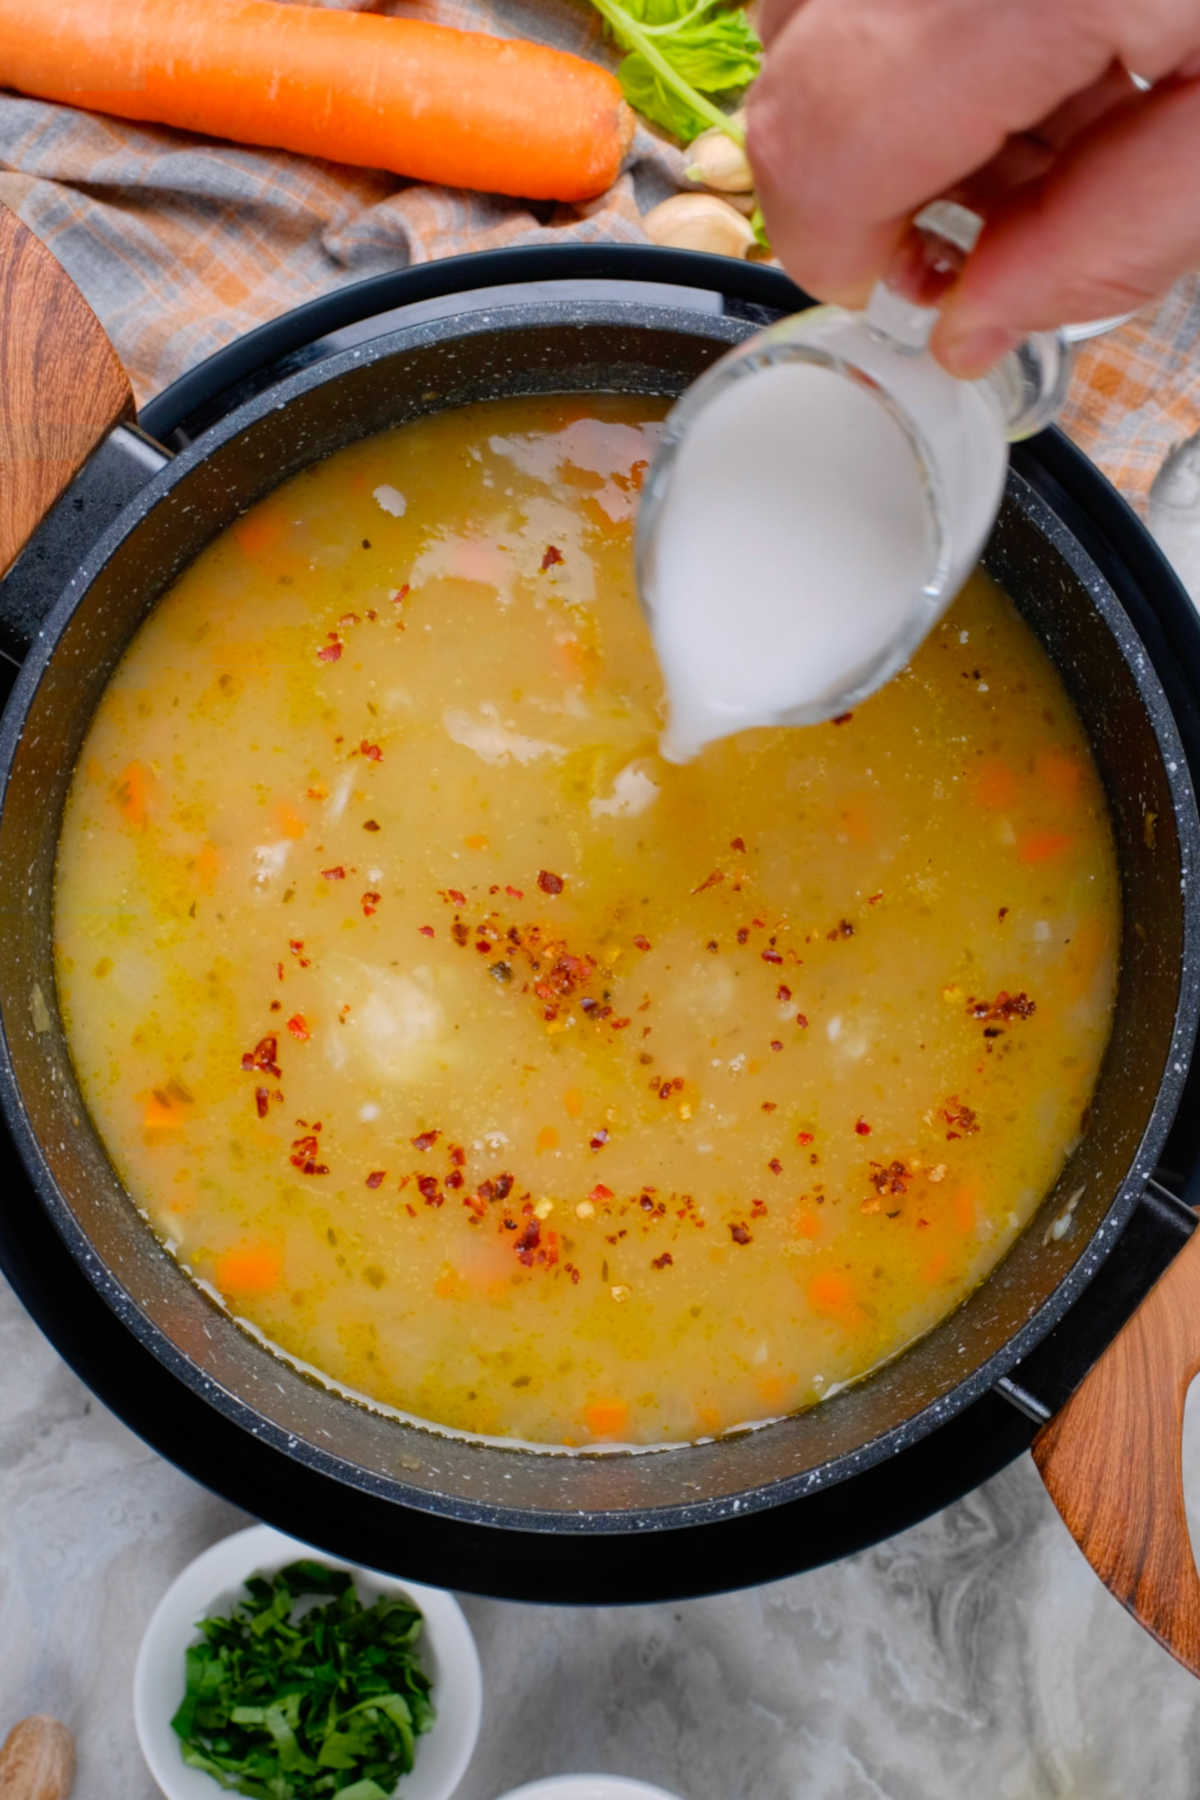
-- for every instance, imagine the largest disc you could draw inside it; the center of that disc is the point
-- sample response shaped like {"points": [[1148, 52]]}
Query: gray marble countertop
{"points": [[975, 1657]]}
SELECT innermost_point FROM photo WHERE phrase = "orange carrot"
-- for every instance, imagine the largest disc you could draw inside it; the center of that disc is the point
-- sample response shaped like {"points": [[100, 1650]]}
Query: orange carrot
{"points": [[995, 785], [830, 1292], [1060, 775], [606, 1418], [962, 1206], [253, 1269], [1043, 846], [164, 1109], [289, 821], [133, 794], [573, 1103], [208, 864], [547, 1139], [455, 107], [257, 532], [935, 1267], [476, 841], [770, 1389], [806, 1224]]}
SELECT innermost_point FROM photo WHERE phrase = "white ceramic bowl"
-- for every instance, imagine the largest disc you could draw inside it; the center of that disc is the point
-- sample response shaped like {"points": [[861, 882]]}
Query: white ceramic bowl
{"points": [[588, 1787], [213, 1582]]}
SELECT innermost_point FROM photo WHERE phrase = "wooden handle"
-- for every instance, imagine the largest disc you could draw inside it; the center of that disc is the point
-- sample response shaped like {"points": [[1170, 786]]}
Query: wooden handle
{"points": [[1112, 1461], [61, 386]]}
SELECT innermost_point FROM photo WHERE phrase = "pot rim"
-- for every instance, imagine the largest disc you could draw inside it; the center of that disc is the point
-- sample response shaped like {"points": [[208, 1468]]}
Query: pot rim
{"points": [[682, 1514]]}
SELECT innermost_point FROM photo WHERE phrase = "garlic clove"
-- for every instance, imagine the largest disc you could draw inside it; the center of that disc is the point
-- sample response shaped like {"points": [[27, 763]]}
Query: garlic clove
{"points": [[37, 1760], [700, 222], [715, 160]]}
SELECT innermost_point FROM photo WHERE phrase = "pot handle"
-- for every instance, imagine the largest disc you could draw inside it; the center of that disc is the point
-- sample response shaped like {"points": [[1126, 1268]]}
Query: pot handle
{"points": [[1112, 1461], [62, 388]]}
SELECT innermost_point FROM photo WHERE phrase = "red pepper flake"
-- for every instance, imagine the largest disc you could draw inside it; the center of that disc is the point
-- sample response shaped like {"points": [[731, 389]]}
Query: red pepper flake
{"points": [[329, 653], [804, 1137], [425, 930], [600, 1192], [710, 881], [1004, 1008], [305, 1151], [641, 943], [771, 956], [862, 1128], [337, 873], [663, 1262], [376, 1178], [841, 718], [372, 752], [1002, 914], [619, 1024], [514, 893], [264, 1056], [296, 946], [782, 992], [457, 1155], [279, 971], [400, 593], [551, 556], [370, 824], [496, 1187], [890, 1178], [276, 1006], [758, 1209], [460, 931], [298, 1026], [743, 934], [843, 929], [962, 1120], [549, 883], [776, 1044], [775, 1166], [454, 1179], [425, 1140], [802, 1021], [428, 1187], [598, 1140], [370, 903], [769, 1106], [738, 844], [874, 899], [740, 1235], [455, 894], [262, 1101]]}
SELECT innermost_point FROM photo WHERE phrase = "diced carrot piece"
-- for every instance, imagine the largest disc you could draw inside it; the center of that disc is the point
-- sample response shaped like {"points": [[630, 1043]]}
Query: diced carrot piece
{"points": [[476, 841], [770, 1389], [1043, 846], [573, 1102], [164, 1109], [253, 1269], [995, 784], [133, 794], [1060, 774], [547, 1139], [805, 1223], [288, 822], [606, 1418], [258, 532], [935, 1267], [208, 864], [962, 1207], [831, 1292]]}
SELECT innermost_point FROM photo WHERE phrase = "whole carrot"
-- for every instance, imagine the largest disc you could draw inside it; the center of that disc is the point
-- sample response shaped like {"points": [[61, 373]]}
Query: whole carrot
{"points": [[455, 107]]}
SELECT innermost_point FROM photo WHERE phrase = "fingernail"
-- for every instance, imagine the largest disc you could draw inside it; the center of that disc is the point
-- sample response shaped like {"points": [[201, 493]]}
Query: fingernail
{"points": [[924, 267], [971, 353]]}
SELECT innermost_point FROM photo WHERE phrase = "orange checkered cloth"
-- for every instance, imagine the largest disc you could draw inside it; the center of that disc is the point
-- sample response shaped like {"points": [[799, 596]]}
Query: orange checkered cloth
{"points": [[181, 243]]}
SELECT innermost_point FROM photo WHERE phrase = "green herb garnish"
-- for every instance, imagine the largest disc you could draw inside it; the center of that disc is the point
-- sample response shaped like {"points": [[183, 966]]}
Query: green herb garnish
{"points": [[316, 1703], [681, 53]]}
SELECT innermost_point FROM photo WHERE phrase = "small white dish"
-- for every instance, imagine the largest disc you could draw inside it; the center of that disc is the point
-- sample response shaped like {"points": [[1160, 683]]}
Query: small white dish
{"points": [[213, 1583], [588, 1787]]}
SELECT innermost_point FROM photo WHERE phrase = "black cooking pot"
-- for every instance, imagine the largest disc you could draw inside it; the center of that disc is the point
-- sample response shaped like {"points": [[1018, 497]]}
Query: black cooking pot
{"points": [[510, 1522]]}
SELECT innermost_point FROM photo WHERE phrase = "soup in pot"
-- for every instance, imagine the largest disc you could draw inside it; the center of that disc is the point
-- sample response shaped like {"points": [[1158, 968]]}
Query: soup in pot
{"points": [[499, 1071]]}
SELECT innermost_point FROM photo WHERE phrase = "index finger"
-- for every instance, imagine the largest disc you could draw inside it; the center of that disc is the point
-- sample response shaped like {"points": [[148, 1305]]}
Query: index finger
{"points": [[867, 109]]}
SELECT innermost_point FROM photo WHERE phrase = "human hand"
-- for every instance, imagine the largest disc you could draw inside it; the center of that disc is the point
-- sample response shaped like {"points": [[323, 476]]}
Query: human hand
{"points": [[1024, 110]]}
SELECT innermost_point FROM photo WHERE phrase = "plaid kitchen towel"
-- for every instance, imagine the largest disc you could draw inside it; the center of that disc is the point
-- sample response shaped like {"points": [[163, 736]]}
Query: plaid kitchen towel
{"points": [[182, 243]]}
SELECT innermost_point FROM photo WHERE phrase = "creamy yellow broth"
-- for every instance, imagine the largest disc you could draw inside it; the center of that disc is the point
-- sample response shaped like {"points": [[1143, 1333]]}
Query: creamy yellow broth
{"points": [[508, 1075]]}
